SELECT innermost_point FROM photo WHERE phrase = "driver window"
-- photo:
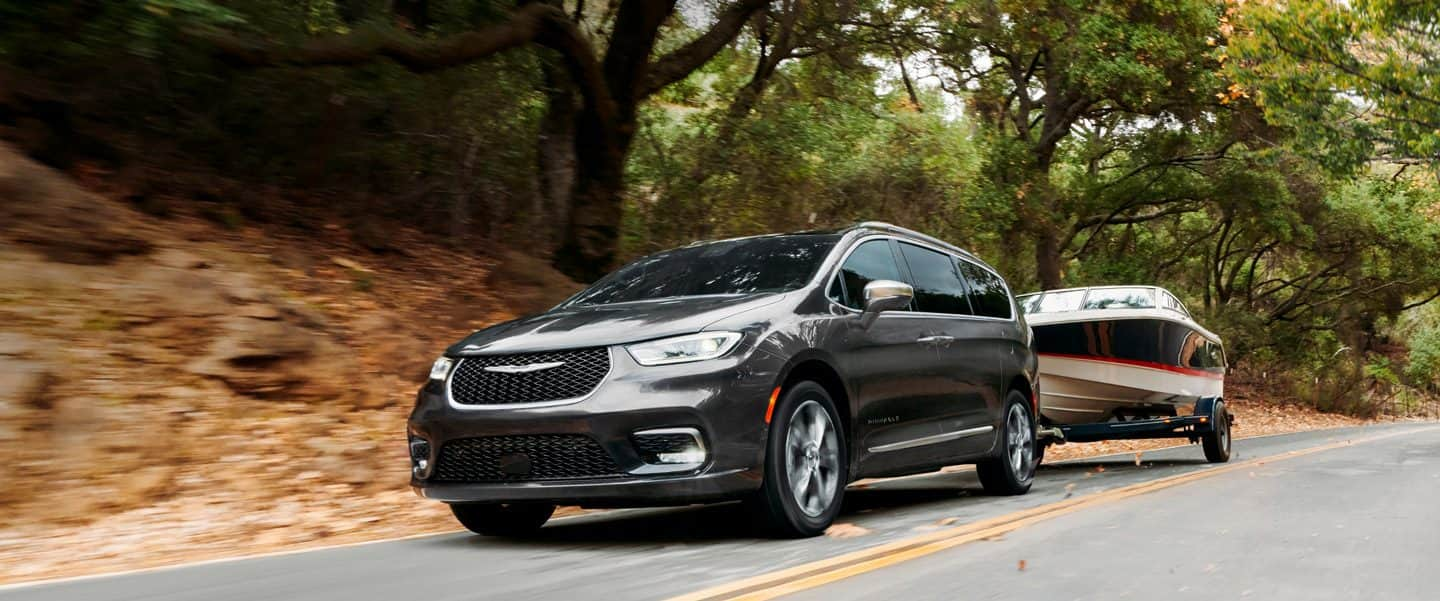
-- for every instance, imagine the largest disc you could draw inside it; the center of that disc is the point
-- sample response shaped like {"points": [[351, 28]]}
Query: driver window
{"points": [[870, 261]]}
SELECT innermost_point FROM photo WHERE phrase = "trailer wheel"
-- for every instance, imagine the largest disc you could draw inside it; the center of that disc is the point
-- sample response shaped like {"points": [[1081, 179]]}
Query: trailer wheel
{"points": [[1217, 441]]}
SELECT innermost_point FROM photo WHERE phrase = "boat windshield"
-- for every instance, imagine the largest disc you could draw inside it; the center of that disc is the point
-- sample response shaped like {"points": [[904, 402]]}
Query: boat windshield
{"points": [[1088, 298], [1054, 302], [1120, 298]]}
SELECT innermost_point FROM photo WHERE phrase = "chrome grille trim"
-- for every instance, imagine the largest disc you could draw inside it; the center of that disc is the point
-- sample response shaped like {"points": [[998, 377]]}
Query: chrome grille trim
{"points": [[450, 394]]}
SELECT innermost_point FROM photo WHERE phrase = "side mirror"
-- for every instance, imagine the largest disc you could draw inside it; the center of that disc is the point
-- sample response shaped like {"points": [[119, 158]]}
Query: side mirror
{"points": [[885, 295]]}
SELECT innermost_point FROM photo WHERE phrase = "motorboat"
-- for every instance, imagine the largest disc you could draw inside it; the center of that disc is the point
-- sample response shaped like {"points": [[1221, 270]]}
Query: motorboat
{"points": [[1117, 353]]}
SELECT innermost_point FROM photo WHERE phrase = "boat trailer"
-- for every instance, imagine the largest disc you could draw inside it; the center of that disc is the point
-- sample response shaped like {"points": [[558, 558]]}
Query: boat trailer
{"points": [[1209, 425]]}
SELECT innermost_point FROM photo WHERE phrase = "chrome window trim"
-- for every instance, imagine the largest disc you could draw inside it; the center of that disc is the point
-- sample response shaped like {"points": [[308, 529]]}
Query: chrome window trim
{"points": [[835, 270], [450, 397]]}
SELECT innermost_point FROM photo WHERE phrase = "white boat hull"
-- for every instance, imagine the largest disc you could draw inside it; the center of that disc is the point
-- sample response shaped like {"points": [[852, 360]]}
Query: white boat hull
{"points": [[1079, 390]]}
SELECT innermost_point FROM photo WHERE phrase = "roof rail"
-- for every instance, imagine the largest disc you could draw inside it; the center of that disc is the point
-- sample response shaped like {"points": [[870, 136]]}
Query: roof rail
{"points": [[890, 227]]}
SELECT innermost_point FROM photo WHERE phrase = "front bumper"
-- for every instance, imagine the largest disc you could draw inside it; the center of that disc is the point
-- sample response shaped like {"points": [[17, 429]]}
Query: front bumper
{"points": [[724, 399], [618, 492]]}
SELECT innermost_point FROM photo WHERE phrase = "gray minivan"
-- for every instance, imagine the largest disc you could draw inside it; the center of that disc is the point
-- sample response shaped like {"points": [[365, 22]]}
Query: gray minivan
{"points": [[774, 369]]}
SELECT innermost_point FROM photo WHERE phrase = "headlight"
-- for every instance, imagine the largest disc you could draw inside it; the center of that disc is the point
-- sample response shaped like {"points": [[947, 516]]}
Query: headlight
{"points": [[441, 368], [683, 349]]}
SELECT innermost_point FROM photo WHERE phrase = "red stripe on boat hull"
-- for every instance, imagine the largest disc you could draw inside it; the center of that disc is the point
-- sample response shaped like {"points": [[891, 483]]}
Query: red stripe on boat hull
{"points": [[1137, 363]]}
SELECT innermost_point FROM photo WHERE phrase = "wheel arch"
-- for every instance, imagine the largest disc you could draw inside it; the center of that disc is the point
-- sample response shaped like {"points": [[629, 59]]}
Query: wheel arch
{"points": [[1021, 384], [815, 367]]}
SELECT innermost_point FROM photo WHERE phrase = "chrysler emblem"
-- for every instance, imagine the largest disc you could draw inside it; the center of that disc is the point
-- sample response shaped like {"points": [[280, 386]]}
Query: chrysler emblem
{"points": [[523, 369]]}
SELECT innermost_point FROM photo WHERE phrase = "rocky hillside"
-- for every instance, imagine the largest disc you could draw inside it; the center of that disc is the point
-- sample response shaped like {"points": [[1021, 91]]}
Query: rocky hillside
{"points": [[191, 385]]}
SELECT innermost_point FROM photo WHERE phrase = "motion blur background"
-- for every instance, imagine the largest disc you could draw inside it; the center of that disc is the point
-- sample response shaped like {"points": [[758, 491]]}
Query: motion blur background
{"points": [[233, 234]]}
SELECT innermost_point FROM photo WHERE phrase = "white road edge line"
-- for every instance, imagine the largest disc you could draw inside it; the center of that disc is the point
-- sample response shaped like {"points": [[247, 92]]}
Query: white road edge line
{"points": [[609, 512]]}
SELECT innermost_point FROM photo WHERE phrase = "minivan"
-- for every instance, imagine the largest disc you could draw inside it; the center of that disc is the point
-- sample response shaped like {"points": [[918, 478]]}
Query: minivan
{"points": [[771, 369]]}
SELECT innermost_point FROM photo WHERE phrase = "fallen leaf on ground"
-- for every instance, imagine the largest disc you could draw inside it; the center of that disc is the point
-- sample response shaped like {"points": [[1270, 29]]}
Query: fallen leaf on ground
{"points": [[846, 531], [1022, 565]]}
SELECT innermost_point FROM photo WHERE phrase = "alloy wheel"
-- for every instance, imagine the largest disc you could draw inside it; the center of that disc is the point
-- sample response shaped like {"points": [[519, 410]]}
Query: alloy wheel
{"points": [[1020, 441], [812, 458]]}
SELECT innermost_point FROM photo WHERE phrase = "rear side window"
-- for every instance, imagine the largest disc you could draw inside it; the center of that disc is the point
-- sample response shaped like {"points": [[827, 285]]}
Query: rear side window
{"points": [[987, 291], [870, 261], [938, 288]]}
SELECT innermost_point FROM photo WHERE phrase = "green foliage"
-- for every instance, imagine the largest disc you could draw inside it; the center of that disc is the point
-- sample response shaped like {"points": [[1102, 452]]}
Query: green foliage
{"points": [[451, 151], [1424, 354], [825, 151], [1355, 79]]}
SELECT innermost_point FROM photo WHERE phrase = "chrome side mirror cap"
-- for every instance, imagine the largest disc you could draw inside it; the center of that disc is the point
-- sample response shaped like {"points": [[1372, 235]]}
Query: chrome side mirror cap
{"points": [[887, 295]]}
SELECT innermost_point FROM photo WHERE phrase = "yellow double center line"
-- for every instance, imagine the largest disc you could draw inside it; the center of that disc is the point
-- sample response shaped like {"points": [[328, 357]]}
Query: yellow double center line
{"points": [[817, 573]]}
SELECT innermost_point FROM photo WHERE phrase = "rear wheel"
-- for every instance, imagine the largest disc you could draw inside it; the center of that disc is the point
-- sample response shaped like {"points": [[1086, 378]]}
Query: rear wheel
{"points": [[1217, 441], [502, 519], [1012, 469], [806, 466]]}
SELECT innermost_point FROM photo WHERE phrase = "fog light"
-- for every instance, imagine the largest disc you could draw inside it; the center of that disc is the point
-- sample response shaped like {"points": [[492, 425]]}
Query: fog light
{"points": [[695, 456], [419, 456], [670, 446]]}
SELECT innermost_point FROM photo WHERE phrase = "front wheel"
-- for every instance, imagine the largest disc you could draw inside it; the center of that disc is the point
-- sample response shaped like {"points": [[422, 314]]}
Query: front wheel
{"points": [[1012, 469], [806, 466], [502, 519]]}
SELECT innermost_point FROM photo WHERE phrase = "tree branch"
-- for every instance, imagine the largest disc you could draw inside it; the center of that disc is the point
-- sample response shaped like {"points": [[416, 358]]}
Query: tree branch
{"points": [[367, 44], [683, 61], [538, 23]]}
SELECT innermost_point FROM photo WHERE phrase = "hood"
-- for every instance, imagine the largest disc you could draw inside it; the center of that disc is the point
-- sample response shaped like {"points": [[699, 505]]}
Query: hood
{"points": [[604, 325]]}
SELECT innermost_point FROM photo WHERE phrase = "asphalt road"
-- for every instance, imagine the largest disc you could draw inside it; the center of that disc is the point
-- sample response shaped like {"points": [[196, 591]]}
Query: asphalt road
{"points": [[1357, 521]]}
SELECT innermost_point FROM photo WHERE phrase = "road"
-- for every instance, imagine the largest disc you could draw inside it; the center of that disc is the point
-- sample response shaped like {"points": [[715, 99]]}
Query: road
{"points": [[1338, 514]]}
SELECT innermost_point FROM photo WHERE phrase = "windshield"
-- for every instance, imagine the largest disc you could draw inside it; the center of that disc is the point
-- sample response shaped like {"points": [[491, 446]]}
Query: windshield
{"points": [[743, 266]]}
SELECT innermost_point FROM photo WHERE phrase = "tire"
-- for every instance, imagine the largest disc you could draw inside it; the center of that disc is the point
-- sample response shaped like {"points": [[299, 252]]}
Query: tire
{"points": [[502, 519], [1217, 441], [805, 476], [1012, 469]]}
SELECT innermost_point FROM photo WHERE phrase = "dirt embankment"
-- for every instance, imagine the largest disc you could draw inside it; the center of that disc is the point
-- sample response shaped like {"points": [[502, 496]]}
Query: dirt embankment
{"points": [[174, 390]]}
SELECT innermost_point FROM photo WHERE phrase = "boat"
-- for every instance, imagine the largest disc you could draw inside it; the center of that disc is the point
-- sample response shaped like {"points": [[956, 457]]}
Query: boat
{"points": [[1120, 353]]}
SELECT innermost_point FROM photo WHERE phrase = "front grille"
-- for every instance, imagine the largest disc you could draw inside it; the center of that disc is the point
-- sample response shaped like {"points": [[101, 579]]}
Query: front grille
{"points": [[579, 372], [524, 457]]}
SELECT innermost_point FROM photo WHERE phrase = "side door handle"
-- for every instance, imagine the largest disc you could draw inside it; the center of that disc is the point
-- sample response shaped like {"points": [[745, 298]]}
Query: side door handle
{"points": [[935, 339]]}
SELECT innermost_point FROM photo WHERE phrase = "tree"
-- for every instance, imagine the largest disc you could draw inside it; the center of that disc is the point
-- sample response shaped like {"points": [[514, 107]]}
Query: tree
{"points": [[611, 85], [1358, 80], [1035, 70]]}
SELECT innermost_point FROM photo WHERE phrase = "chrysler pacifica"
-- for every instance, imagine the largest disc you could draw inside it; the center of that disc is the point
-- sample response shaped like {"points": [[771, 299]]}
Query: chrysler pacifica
{"points": [[774, 369]]}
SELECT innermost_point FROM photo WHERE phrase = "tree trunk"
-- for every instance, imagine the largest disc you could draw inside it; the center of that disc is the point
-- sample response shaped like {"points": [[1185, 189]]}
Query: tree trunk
{"points": [[592, 235], [555, 154], [1047, 258]]}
